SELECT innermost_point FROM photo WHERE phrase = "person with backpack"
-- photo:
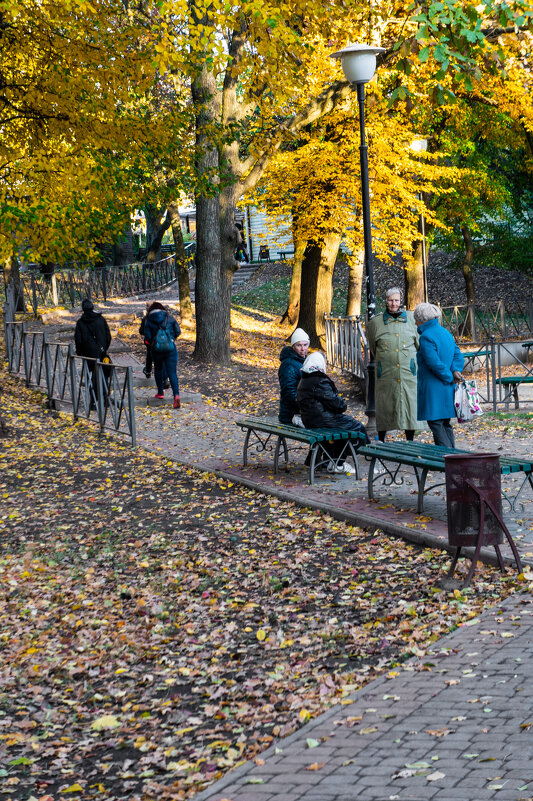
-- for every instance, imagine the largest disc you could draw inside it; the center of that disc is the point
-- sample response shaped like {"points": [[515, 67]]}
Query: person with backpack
{"points": [[147, 369], [161, 330]]}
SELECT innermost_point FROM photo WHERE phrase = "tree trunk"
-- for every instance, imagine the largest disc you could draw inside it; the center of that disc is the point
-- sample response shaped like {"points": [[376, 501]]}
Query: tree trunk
{"points": [[413, 272], [317, 287], [183, 265], [12, 278], [155, 230], [290, 315], [212, 320], [467, 265], [355, 284]]}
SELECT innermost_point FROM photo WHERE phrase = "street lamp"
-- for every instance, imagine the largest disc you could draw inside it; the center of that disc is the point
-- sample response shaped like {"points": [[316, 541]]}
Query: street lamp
{"points": [[420, 145], [358, 63]]}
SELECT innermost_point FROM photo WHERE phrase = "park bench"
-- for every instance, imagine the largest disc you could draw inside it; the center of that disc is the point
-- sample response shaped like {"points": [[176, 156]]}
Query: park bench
{"points": [[470, 357], [513, 382], [288, 253], [267, 434], [425, 458]]}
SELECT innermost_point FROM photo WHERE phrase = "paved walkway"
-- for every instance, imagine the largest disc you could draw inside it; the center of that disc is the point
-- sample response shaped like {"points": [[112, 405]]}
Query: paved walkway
{"points": [[456, 727]]}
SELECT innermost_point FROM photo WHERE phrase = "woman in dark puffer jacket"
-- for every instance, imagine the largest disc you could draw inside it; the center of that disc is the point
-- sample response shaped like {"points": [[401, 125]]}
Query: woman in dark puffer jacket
{"points": [[321, 406]]}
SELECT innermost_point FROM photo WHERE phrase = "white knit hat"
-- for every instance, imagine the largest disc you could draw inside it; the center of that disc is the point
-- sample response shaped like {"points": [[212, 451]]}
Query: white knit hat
{"points": [[315, 363], [299, 336]]}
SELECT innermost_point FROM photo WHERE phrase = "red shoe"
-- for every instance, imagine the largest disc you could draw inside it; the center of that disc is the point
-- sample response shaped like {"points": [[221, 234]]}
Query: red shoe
{"points": [[158, 396], [177, 402]]}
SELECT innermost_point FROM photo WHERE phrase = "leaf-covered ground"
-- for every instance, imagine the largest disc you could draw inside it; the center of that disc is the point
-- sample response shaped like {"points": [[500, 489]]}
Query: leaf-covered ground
{"points": [[159, 625]]}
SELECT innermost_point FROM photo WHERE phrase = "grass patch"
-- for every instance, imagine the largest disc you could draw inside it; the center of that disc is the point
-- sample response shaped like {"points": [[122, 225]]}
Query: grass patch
{"points": [[515, 420], [273, 296]]}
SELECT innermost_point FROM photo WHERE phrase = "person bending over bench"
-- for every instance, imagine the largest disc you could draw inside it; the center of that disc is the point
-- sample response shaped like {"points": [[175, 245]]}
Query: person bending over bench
{"points": [[321, 407]]}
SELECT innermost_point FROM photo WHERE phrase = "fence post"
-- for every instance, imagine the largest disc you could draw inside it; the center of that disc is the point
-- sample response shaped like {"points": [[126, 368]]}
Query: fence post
{"points": [[72, 373], [131, 406], [104, 283], [71, 288], [33, 295], [47, 374], [472, 321], [25, 355], [501, 310], [55, 299]]}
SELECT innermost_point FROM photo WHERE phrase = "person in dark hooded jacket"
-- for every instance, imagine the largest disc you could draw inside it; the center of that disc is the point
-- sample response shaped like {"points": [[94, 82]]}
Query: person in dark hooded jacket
{"points": [[163, 362], [92, 339], [289, 374], [92, 336], [321, 406]]}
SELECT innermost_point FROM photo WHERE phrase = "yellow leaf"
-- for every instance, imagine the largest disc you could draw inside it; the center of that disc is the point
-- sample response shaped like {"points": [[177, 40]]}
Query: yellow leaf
{"points": [[261, 635], [105, 722], [304, 715], [74, 788]]}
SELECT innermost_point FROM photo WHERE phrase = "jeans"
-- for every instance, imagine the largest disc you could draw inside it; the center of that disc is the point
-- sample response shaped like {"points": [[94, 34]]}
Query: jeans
{"points": [[442, 433], [167, 365]]}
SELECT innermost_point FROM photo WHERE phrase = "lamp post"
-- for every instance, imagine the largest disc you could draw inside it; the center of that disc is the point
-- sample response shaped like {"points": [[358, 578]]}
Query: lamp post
{"points": [[420, 145], [358, 63]]}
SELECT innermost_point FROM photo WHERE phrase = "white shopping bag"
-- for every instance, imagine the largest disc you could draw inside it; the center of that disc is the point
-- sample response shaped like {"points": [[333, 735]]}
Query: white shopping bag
{"points": [[467, 403]]}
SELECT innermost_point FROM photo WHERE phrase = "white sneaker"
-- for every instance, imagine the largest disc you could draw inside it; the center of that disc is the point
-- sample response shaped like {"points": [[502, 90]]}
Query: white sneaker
{"points": [[345, 468]]}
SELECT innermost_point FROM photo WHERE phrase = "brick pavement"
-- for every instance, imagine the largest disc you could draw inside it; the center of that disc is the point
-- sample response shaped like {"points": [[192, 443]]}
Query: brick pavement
{"points": [[457, 725]]}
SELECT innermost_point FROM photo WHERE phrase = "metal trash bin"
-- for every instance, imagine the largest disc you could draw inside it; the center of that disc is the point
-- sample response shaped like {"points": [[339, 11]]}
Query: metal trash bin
{"points": [[474, 506], [464, 504]]}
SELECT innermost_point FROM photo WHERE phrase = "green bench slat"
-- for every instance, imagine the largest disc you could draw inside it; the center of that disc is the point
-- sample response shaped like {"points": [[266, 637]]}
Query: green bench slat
{"points": [[431, 457], [295, 432], [315, 438], [515, 379]]}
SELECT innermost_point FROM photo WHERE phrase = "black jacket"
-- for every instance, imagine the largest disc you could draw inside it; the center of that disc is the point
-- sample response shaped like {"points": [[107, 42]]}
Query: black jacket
{"points": [[92, 336], [321, 406], [289, 373]]}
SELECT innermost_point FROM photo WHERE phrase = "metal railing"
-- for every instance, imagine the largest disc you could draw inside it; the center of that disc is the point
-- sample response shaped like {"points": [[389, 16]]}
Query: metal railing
{"points": [[346, 344], [477, 323], [101, 393], [69, 287]]}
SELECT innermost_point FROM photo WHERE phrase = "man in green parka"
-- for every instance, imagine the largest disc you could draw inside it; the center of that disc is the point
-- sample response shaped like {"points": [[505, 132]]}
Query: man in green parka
{"points": [[393, 339]]}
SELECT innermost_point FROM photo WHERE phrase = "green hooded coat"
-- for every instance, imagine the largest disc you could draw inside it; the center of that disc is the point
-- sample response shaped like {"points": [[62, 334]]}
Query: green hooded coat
{"points": [[394, 342]]}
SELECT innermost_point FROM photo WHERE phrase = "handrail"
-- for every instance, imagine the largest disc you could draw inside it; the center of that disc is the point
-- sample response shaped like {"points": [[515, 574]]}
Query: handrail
{"points": [[69, 287], [101, 393]]}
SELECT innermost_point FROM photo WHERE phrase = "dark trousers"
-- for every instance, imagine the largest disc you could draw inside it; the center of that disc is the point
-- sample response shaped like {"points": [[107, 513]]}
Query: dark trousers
{"points": [[442, 433], [149, 360], [169, 366], [409, 435]]}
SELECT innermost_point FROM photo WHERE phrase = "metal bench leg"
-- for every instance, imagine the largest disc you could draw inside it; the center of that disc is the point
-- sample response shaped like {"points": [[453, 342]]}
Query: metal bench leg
{"points": [[281, 443], [245, 448], [355, 460], [421, 476], [313, 452], [515, 395], [371, 478]]}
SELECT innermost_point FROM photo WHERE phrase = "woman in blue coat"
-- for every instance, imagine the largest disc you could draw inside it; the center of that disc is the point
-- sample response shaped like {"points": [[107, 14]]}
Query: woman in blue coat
{"points": [[439, 368]]}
